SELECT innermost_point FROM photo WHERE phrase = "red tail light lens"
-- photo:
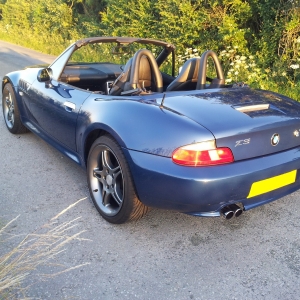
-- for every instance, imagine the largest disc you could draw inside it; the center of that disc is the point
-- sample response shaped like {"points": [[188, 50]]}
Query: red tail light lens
{"points": [[202, 154]]}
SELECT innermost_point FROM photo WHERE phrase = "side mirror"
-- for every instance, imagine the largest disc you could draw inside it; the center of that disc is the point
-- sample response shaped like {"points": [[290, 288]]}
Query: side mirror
{"points": [[44, 75]]}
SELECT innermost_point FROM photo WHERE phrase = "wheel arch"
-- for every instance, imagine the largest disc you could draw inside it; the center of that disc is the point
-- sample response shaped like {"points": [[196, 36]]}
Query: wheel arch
{"points": [[12, 78], [95, 133]]}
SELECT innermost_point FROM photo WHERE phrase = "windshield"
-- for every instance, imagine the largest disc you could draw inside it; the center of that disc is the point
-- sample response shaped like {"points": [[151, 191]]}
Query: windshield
{"points": [[116, 53], [110, 52]]}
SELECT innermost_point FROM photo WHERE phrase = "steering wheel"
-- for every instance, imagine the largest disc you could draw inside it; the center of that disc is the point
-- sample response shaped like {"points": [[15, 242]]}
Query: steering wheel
{"points": [[217, 82]]}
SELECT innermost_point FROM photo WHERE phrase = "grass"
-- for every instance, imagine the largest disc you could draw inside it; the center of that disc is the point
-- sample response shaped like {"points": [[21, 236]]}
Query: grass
{"points": [[35, 250]]}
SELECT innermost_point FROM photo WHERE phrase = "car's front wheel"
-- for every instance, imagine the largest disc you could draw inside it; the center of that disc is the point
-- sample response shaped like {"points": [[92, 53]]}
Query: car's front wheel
{"points": [[11, 111], [110, 183]]}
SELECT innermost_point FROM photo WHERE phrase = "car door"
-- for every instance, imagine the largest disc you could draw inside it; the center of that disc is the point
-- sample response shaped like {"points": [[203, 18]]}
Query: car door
{"points": [[54, 106]]}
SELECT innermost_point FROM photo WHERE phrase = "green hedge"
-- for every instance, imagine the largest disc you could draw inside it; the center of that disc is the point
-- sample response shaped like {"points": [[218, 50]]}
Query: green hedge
{"points": [[267, 30]]}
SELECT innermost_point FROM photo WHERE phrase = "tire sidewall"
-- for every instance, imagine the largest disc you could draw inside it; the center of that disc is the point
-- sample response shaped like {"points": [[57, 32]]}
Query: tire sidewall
{"points": [[17, 127], [128, 193]]}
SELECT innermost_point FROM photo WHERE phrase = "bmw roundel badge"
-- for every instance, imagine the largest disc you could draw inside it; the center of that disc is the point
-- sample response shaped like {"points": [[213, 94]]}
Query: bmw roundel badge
{"points": [[275, 139]]}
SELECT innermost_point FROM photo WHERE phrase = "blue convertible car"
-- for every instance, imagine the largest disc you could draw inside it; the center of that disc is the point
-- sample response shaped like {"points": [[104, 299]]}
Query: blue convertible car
{"points": [[148, 138]]}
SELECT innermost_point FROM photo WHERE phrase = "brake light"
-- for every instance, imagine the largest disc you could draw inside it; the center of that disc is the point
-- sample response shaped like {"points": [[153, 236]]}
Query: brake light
{"points": [[202, 154]]}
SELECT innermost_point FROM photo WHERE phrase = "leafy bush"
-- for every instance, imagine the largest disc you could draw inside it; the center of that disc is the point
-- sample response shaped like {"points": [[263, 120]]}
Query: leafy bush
{"points": [[268, 30]]}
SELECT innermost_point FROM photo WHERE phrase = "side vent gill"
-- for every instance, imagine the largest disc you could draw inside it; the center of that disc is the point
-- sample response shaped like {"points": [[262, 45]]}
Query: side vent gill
{"points": [[250, 108]]}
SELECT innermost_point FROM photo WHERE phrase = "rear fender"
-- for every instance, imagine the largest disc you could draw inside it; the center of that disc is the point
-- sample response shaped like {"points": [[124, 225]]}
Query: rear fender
{"points": [[138, 125]]}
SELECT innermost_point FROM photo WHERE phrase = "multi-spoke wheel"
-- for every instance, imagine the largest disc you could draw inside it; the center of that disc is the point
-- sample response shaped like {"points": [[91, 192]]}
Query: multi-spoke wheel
{"points": [[110, 183], [10, 111]]}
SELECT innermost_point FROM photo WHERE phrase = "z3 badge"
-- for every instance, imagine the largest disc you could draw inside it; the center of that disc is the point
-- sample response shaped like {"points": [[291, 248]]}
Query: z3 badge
{"points": [[242, 142]]}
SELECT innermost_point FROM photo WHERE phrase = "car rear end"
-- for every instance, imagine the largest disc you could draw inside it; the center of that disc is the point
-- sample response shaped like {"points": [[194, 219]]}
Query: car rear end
{"points": [[257, 132]]}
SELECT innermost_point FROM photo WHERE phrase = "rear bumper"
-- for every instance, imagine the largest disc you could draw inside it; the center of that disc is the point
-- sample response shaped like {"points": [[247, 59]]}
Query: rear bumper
{"points": [[204, 191]]}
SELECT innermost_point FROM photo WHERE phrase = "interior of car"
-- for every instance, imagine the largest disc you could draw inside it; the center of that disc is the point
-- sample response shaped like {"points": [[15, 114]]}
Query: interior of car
{"points": [[141, 73]]}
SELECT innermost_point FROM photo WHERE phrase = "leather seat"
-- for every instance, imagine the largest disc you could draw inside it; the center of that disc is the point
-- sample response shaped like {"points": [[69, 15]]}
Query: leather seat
{"points": [[188, 76], [141, 72]]}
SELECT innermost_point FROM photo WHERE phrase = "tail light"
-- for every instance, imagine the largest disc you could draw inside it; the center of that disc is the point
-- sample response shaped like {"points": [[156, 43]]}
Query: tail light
{"points": [[202, 154]]}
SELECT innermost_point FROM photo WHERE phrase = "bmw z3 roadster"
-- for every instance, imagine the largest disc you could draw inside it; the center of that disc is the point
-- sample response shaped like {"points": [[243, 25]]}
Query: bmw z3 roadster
{"points": [[149, 138]]}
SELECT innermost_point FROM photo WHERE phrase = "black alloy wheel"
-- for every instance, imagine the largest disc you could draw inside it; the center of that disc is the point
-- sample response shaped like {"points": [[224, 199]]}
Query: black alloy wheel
{"points": [[110, 183], [11, 111]]}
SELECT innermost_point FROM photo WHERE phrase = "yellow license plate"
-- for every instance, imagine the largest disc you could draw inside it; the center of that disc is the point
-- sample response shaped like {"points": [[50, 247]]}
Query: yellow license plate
{"points": [[271, 184]]}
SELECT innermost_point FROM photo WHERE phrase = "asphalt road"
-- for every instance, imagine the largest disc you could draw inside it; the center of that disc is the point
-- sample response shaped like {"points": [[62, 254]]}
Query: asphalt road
{"points": [[166, 255]]}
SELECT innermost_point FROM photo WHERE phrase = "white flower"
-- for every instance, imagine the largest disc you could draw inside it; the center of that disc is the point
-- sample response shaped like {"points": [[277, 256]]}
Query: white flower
{"points": [[251, 56], [243, 57], [283, 74], [236, 73], [298, 40], [228, 80], [232, 63], [296, 66], [235, 47]]}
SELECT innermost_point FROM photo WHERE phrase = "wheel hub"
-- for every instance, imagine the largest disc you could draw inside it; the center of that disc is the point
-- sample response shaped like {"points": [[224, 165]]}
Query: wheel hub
{"points": [[109, 180], [9, 111], [108, 184]]}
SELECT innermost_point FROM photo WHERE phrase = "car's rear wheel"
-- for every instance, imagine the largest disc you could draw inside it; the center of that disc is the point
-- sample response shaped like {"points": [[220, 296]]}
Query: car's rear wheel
{"points": [[110, 183], [11, 111]]}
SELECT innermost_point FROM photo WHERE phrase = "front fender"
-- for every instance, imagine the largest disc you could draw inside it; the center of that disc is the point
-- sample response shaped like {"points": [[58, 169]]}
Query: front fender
{"points": [[12, 78]]}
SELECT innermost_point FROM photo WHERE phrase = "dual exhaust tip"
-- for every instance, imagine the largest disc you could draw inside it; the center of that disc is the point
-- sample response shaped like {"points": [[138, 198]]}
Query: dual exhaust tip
{"points": [[231, 210]]}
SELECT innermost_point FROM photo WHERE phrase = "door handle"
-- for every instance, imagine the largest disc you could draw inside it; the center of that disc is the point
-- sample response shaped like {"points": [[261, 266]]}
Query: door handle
{"points": [[69, 106]]}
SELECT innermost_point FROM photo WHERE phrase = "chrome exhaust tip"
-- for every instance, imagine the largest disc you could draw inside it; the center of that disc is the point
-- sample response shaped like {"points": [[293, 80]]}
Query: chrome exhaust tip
{"points": [[237, 210], [231, 210], [227, 212]]}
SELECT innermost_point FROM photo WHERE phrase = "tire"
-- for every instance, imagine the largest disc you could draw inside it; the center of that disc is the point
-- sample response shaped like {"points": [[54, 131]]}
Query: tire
{"points": [[110, 183], [11, 111]]}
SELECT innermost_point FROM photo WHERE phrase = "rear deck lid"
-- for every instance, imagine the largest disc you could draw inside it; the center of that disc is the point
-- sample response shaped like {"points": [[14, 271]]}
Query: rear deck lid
{"points": [[250, 122]]}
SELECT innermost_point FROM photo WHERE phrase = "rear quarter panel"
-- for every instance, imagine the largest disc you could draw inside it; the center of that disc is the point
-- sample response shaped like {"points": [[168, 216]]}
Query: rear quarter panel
{"points": [[138, 125]]}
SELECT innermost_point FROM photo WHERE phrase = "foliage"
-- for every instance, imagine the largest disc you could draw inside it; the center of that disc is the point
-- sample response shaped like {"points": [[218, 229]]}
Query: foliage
{"points": [[268, 30], [43, 25], [183, 22]]}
